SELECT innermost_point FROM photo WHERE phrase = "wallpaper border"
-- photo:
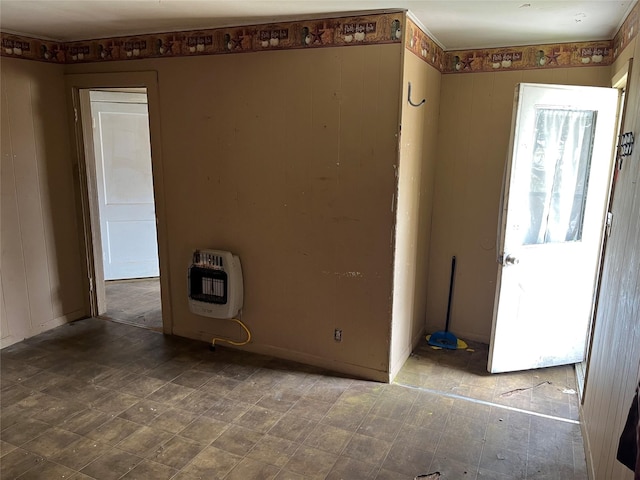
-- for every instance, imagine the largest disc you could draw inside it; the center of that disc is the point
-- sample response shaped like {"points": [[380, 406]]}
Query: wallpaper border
{"points": [[627, 31], [418, 42], [377, 28], [368, 29], [527, 57]]}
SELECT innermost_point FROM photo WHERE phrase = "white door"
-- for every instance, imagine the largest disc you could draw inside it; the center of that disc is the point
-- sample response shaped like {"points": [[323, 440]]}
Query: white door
{"points": [[125, 188], [555, 195]]}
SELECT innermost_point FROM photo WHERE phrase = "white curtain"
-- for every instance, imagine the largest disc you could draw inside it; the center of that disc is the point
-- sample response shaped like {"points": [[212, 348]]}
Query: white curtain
{"points": [[559, 174]]}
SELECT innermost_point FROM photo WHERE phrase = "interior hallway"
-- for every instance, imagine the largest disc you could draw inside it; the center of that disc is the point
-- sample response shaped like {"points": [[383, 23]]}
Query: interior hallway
{"points": [[104, 400]]}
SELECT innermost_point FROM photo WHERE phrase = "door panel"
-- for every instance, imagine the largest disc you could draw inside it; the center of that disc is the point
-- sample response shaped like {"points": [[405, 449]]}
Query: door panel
{"points": [[556, 189], [125, 190]]}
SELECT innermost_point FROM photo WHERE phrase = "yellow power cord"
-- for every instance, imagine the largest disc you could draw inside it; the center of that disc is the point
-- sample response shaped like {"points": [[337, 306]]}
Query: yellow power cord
{"points": [[237, 344]]}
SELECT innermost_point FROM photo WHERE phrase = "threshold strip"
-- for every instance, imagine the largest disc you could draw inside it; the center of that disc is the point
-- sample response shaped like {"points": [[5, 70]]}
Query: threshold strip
{"points": [[490, 404]]}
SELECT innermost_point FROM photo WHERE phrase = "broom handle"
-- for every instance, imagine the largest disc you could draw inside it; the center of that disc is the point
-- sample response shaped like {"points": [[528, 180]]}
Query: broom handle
{"points": [[453, 272]]}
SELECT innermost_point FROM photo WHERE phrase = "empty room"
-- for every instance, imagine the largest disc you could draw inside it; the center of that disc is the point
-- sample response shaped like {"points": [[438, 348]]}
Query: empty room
{"points": [[325, 240]]}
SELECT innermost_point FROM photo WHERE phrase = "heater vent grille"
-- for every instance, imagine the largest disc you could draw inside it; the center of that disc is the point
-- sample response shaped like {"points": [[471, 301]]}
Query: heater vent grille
{"points": [[215, 284], [208, 285], [208, 259]]}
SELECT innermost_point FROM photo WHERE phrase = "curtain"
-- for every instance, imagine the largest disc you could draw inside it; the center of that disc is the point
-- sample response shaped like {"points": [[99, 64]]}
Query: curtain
{"points": [[560, 163]]}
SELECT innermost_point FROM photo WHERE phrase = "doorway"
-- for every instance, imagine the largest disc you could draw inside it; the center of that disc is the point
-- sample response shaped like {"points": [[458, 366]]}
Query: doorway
{"points": [[116, 123], [126, 211]]}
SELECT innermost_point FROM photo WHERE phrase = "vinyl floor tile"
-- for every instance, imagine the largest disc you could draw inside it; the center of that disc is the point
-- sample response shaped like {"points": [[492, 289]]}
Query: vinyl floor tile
{"points": [[148, 470], [17, 462], [97, 399], [111, 465]]}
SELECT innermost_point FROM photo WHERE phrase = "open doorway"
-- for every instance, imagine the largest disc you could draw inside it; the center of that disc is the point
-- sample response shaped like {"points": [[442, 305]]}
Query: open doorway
{"points": [[126, 207], [116, 124]]}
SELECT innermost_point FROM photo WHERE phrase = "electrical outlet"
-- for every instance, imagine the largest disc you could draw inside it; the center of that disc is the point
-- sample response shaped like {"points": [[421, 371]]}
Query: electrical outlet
{"points": [[337, 335]]}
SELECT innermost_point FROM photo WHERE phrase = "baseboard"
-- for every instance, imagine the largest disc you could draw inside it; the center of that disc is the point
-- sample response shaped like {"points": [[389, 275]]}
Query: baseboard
{"points": [[357, 371], [67, 318], [397, 365], [45, 326], [8, 341], [586, 443]]}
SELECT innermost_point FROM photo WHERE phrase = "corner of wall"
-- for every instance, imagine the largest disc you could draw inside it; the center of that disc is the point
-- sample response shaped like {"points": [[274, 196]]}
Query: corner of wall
{"points": [[414, 193]]}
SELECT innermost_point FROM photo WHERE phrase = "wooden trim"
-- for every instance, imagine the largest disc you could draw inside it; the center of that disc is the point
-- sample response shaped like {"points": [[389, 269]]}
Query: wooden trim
{"points": [[624, 73], [149, 80]]}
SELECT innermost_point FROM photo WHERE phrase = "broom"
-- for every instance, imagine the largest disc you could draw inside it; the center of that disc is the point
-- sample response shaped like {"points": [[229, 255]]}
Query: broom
{"points": [[446, 339]]}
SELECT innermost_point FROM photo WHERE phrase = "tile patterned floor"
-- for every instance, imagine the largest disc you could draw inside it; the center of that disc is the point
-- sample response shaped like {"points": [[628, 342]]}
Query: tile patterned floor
{"points": [[136, 302], [103, 400], [548, 391]]}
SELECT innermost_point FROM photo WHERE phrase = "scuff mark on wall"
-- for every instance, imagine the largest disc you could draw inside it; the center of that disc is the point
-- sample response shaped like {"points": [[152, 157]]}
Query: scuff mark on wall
{"points": [[344, 274], [344, 218]]}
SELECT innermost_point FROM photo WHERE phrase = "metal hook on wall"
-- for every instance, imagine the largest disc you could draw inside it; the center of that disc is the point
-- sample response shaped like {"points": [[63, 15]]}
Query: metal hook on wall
{"points": [[411, 102]]}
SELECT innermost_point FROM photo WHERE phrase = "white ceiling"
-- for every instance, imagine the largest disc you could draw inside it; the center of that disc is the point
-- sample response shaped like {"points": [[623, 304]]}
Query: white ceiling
{"points": [[455, 24]]}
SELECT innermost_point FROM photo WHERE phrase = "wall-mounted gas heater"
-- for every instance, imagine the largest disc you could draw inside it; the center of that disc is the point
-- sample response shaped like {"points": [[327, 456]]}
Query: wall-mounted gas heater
{"points": [[215, 284]]}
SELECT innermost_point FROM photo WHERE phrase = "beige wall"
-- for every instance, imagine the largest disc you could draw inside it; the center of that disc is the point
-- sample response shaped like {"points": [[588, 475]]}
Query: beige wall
{"points": [[475, 121], [41, 265], [613, 370], [287, 159], [415, 201]]}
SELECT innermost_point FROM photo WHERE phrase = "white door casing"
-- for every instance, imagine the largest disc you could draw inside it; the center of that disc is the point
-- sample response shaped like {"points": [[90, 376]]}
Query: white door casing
{"points": [[548, 252], [125, 189]]}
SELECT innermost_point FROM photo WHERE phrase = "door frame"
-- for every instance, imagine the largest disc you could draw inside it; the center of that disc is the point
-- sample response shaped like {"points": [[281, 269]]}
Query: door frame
{"points": [[77, 88], [619, 81]]}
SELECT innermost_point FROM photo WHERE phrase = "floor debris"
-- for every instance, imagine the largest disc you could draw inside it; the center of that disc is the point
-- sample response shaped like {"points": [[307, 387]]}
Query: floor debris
{"points": [[518, 390]]}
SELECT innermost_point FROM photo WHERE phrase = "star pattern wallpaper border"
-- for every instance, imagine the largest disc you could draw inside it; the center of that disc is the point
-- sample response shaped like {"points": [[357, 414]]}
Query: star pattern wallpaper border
{"points": [[627, 31], [330, 32], [418, 42], [381, 28], [526, 57]]}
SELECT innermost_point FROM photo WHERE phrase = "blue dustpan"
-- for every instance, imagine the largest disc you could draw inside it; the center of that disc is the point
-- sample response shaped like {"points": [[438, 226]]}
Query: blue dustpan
{"points": [[446, 339]]}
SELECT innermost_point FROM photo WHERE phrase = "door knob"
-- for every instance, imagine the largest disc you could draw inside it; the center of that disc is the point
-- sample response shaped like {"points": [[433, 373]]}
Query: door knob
{"points": [[511, 260]]}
